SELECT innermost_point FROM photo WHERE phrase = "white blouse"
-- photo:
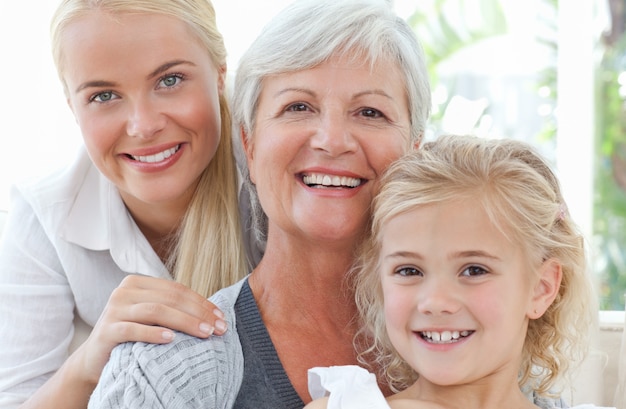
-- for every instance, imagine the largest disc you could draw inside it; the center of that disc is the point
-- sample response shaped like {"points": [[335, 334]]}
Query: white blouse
{"points": [[67, 244]]}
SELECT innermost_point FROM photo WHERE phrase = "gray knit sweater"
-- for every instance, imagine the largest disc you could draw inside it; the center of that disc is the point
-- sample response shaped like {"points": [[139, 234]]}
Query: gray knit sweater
{"points": [[188, 372]]}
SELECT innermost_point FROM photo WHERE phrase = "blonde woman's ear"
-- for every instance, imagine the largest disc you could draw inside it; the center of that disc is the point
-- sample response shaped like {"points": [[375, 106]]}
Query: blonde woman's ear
{"points": [[546, 289]]}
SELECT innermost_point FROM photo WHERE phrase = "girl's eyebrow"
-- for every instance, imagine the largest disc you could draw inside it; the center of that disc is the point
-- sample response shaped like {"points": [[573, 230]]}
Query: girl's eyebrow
{"points": [[403, 254], [460, 254], [474, 253], [108, 84]]}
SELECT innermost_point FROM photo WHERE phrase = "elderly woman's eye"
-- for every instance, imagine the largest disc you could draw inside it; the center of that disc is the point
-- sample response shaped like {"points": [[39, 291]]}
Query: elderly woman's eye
{"points": [[371, 113], [297, 107]]}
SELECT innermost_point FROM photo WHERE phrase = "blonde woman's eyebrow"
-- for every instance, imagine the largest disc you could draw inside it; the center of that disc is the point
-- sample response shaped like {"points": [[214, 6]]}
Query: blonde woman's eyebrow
{"points": [[168, 65], [109, 84], [95, 84]]}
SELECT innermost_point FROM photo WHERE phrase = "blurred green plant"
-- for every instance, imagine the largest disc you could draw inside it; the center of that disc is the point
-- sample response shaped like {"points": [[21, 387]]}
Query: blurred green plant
{"points": [[609, 218], [446, 27]]}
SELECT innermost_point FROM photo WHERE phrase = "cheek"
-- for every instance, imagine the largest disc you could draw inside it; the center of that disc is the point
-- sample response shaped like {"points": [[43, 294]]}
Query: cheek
{"points": [[383, 154], [497, 304], [398, 307], [199, 112], [99, 132], [272, 153]]}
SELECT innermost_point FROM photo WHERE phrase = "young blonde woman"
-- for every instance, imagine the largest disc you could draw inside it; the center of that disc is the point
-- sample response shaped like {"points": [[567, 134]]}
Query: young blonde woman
{"points": [[151, 197]]}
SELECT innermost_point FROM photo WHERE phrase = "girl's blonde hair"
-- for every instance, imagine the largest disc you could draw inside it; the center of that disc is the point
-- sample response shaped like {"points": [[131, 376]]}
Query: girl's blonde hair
{"points": [[522, 197], [208, 253]]}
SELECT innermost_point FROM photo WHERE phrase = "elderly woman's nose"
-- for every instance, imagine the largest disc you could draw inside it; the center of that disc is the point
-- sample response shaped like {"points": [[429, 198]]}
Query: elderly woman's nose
{"points": [[334, 135]]}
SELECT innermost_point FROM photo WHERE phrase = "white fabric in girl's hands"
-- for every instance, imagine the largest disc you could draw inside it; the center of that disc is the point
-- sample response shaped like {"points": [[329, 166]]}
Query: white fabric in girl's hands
{"points": [[347, 387], [352, 387], [590, 406]]}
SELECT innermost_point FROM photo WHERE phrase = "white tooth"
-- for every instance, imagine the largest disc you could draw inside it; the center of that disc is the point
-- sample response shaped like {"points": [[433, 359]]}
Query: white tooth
{"points": [[464, 333], [436, 336], [157, 157], [329, 180], [446, 336], [455, 334]]}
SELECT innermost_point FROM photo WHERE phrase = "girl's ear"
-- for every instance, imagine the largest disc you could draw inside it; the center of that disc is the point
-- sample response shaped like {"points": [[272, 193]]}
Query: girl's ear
{"points": [[546, 289]]}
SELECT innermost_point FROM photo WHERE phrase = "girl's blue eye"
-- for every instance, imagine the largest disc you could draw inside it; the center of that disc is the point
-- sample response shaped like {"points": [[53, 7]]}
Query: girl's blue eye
{"points": [[408, 271], [473, 271]]}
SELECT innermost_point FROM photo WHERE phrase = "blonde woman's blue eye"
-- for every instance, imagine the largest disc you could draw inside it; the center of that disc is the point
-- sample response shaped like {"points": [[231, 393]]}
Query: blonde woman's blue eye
{"points": [[170, 81], [103, 97]]}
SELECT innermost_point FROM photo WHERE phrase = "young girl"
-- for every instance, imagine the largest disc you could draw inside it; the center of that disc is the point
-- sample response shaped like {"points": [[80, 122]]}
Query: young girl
{"points": [[472, 283]]}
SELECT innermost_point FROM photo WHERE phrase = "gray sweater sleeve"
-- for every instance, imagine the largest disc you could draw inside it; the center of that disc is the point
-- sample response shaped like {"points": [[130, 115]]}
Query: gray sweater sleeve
{"points": [[189, 372]]}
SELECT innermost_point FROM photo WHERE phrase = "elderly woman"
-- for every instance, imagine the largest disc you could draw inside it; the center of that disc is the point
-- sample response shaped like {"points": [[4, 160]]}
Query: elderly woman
{"points": [[330, 93]]}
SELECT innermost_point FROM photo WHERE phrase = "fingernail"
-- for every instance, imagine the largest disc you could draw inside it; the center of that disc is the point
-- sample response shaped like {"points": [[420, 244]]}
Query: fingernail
{"points": [[206, 328], [220, 325], [218, 313], [168, 335]]}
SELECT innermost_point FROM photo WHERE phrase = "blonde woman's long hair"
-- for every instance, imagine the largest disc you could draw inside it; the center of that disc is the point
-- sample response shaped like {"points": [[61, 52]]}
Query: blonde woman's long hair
{"points": [[207, 252], [523, 199]]}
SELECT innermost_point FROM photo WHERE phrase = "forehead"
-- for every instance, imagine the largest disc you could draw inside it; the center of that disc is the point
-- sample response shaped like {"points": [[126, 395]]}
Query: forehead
{"points": [[445, 228], [104, 39], [344, 73]]}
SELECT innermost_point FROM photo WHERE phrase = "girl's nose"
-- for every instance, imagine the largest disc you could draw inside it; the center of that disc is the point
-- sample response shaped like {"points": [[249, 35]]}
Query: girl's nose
{"points": [[438, 297]]}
